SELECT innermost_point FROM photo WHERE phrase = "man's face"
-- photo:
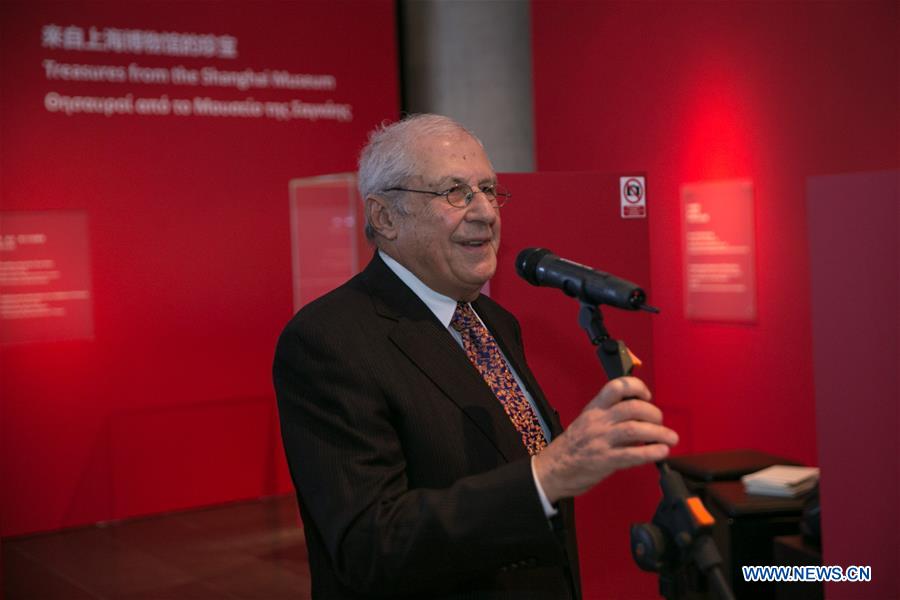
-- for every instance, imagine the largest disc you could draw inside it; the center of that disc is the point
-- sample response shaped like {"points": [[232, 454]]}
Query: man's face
{"points": [[452, 250]]}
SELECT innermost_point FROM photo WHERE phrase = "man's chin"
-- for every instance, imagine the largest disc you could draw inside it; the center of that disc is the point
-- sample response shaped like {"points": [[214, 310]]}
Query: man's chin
{"points": [[477, 286]]}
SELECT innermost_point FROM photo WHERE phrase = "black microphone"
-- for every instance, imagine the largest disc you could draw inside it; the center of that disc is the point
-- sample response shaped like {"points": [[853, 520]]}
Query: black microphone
{"points": [[539, 266]]}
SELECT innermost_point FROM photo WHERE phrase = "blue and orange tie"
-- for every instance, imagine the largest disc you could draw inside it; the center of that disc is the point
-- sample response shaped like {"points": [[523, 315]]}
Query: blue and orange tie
{"points": [[484, 353]]}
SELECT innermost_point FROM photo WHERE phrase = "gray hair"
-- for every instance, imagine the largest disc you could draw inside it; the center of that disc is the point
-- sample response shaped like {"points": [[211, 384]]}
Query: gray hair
{"points": [[388, 159]]}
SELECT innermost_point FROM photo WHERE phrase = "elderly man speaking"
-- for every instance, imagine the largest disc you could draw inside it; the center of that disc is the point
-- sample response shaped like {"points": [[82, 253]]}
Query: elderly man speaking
{"points": [[426, 460]]}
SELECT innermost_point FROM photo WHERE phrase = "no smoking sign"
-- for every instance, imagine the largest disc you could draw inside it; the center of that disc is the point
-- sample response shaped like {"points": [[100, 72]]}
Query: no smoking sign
{"points": [[633, 197]]}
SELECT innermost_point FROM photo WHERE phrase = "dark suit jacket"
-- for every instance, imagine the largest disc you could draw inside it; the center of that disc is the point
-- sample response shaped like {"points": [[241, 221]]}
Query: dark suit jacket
{"points": [[411, 479]]}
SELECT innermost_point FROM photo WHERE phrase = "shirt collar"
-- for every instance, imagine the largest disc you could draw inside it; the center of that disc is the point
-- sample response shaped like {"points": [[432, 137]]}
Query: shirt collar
{"points": [[442, 306]]}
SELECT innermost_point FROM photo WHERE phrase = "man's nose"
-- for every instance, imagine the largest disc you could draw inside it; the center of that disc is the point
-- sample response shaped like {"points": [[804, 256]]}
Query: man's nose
{"points": [[481, 208]]}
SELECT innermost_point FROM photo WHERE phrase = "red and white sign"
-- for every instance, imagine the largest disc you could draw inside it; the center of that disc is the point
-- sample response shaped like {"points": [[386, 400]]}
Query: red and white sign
{"points": [[45, 282], [633, 197], [719, 251]]}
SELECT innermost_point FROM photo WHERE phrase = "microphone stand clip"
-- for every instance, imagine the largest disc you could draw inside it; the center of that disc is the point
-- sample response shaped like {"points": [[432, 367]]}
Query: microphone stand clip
{"points": [[613, 354]]}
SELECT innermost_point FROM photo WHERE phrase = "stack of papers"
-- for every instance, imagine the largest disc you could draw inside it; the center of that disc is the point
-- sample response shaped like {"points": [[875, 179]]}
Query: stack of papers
{"points": [[781, 480]]}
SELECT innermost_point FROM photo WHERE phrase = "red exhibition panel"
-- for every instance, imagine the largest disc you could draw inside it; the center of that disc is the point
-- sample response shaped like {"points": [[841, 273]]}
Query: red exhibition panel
{"points": [[578, 217], [719, 250], [854, 227], [45, 277], [173, 131], [327, 243]]}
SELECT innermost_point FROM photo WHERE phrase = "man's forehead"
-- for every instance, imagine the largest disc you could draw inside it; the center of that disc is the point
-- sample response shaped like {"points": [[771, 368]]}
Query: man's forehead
{"points": [[451, 158], [447, 143]]}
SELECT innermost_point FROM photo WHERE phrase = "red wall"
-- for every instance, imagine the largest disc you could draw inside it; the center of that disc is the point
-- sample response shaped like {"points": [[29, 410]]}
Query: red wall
{"points": [[685, 91], [170, 405]]}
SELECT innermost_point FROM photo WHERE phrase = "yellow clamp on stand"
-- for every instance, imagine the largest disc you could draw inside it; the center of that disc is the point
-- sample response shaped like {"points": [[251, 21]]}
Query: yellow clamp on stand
{"points": [[701, 516]]}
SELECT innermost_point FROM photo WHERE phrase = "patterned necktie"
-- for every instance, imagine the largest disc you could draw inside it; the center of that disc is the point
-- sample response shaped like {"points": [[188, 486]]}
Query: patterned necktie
{"points": [[484, 353]]}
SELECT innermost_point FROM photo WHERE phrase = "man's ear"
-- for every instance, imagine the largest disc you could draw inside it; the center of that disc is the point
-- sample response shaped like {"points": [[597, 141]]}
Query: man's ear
{"points": [[381, 217]]}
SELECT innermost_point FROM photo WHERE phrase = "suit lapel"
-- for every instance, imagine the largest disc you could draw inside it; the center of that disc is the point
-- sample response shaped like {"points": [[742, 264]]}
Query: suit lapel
{"points": [[428, 345]]}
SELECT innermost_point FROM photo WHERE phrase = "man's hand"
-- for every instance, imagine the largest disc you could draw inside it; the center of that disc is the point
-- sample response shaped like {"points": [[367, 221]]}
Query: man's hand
{"points": [[618, 429]]}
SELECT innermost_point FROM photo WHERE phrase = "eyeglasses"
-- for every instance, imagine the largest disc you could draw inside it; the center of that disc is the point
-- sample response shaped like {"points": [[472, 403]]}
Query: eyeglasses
{"points": [[461, 194]]}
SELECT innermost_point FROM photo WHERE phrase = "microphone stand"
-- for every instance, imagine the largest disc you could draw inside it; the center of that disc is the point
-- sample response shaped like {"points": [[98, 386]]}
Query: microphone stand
{"points": [[680, 533]]}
